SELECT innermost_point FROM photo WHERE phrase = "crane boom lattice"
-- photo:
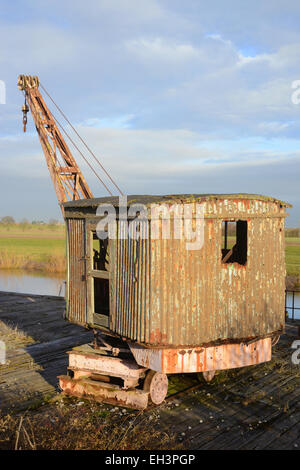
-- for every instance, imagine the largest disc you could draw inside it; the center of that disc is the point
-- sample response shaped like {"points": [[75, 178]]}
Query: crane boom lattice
{"points": [[66, 175]]}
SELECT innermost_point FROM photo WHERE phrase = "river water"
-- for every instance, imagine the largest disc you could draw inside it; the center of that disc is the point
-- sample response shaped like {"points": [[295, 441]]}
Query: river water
{"points": [[289, 304], [35, 282], [31, 282]]}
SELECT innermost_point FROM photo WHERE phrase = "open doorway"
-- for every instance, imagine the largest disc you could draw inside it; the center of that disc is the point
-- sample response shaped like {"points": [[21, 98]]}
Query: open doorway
{"points": [[100, 269]]}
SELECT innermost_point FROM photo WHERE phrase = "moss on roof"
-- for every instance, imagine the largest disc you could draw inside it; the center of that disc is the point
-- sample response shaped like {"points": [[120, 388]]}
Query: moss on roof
{"points": [[152, 199]]}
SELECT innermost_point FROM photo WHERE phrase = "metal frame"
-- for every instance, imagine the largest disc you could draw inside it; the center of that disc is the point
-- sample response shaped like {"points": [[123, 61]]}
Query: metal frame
{"points": [[292, 307], [67, 179], [202, 359]]}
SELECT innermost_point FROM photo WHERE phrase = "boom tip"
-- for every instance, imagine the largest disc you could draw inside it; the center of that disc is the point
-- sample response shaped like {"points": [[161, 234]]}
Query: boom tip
{"points": [[27, 81]]}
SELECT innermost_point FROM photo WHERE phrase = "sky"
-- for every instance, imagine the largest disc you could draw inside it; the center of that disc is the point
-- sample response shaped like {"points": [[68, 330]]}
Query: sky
{"points": [[173, 97]]}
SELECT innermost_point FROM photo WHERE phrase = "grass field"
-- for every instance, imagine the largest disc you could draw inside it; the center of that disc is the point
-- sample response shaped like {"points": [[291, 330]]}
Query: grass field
{"points": [[33, 247], [292, 258], [29, 230], [42, 247]]}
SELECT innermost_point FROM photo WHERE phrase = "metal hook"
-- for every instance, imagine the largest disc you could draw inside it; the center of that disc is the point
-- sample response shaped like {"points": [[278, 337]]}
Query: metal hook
{"points": [[25, 110]]}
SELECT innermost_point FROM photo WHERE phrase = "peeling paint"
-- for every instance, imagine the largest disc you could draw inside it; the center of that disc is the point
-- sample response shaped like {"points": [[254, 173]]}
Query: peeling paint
{"points": [[162, 295]]}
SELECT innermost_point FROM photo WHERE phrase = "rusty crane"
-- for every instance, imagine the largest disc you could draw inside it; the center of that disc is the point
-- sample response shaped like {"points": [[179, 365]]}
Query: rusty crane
{"points": [[67, 178], [155, 307]]}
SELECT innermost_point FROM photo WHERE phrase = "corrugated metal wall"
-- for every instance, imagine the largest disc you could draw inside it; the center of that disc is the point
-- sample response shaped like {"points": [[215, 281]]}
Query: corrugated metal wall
{"points": [[163, 294], [77, 288], [130, 288]]}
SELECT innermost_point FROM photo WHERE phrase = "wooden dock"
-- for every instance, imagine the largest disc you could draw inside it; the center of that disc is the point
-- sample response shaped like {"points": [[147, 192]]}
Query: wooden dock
{"points": [[256, 407], [37, 337]]}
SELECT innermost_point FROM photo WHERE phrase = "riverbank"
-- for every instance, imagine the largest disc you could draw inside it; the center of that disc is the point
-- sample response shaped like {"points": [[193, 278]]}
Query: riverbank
{"points": [[292, 260], [54, 263], [33, 248]]}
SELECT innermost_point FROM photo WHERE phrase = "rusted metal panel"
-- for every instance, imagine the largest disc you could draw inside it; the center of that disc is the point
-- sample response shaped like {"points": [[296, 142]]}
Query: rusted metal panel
{"points": [[169, 296], [163, 295], [224, 356], [103, 392], [88, 359], [130, 288], [77, 289]]}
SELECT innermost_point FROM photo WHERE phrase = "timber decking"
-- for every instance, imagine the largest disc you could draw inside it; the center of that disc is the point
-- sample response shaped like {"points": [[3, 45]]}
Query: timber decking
{"points": [[254, 407], [250, 408], [37, 338]]}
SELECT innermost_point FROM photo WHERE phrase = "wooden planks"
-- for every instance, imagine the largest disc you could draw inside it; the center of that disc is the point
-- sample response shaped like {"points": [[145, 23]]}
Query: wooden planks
{"points": [[37, 337], [250, 408]]}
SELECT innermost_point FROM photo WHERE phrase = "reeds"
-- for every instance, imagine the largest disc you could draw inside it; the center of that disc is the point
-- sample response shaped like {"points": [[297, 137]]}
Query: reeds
{"points": [[54, 263]]}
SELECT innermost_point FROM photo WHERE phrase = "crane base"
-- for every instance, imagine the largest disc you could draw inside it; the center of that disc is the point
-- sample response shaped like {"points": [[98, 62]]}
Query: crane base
{"points": [[103, 392], [96, 374]]}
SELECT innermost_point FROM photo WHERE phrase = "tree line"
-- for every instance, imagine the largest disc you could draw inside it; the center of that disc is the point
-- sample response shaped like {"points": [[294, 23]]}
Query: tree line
{"points": [[9, 220]]}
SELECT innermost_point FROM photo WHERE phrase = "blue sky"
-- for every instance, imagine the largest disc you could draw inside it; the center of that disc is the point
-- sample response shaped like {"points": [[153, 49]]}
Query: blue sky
{"points": [[174, 97]]}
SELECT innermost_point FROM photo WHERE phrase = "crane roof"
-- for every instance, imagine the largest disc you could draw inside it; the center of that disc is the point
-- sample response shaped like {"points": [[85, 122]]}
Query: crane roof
{"points": [[171, 198]]}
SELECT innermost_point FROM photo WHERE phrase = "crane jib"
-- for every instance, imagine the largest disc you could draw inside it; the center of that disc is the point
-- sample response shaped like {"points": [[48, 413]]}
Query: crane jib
{"points": [[67, 178]]}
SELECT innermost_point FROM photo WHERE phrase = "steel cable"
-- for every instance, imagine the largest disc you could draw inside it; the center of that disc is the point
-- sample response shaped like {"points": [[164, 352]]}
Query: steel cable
{"points": [[78, 135], [85, 159]]}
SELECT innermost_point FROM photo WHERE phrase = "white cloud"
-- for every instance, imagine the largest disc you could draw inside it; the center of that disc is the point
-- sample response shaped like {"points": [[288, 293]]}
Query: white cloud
{"points": [[164, 90], [114, 122], [275, 126], [162, 50], [153, 161]]}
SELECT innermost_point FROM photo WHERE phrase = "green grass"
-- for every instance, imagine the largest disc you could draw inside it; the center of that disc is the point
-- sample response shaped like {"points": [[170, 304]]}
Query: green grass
{"points": [[40, 248], [292, 257], [292, 240], [35, 231], [36, 249]]}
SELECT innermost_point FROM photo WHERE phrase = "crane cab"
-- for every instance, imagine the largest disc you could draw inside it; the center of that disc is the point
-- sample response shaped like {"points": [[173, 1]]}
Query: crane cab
{"points": [[215, 306]]}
